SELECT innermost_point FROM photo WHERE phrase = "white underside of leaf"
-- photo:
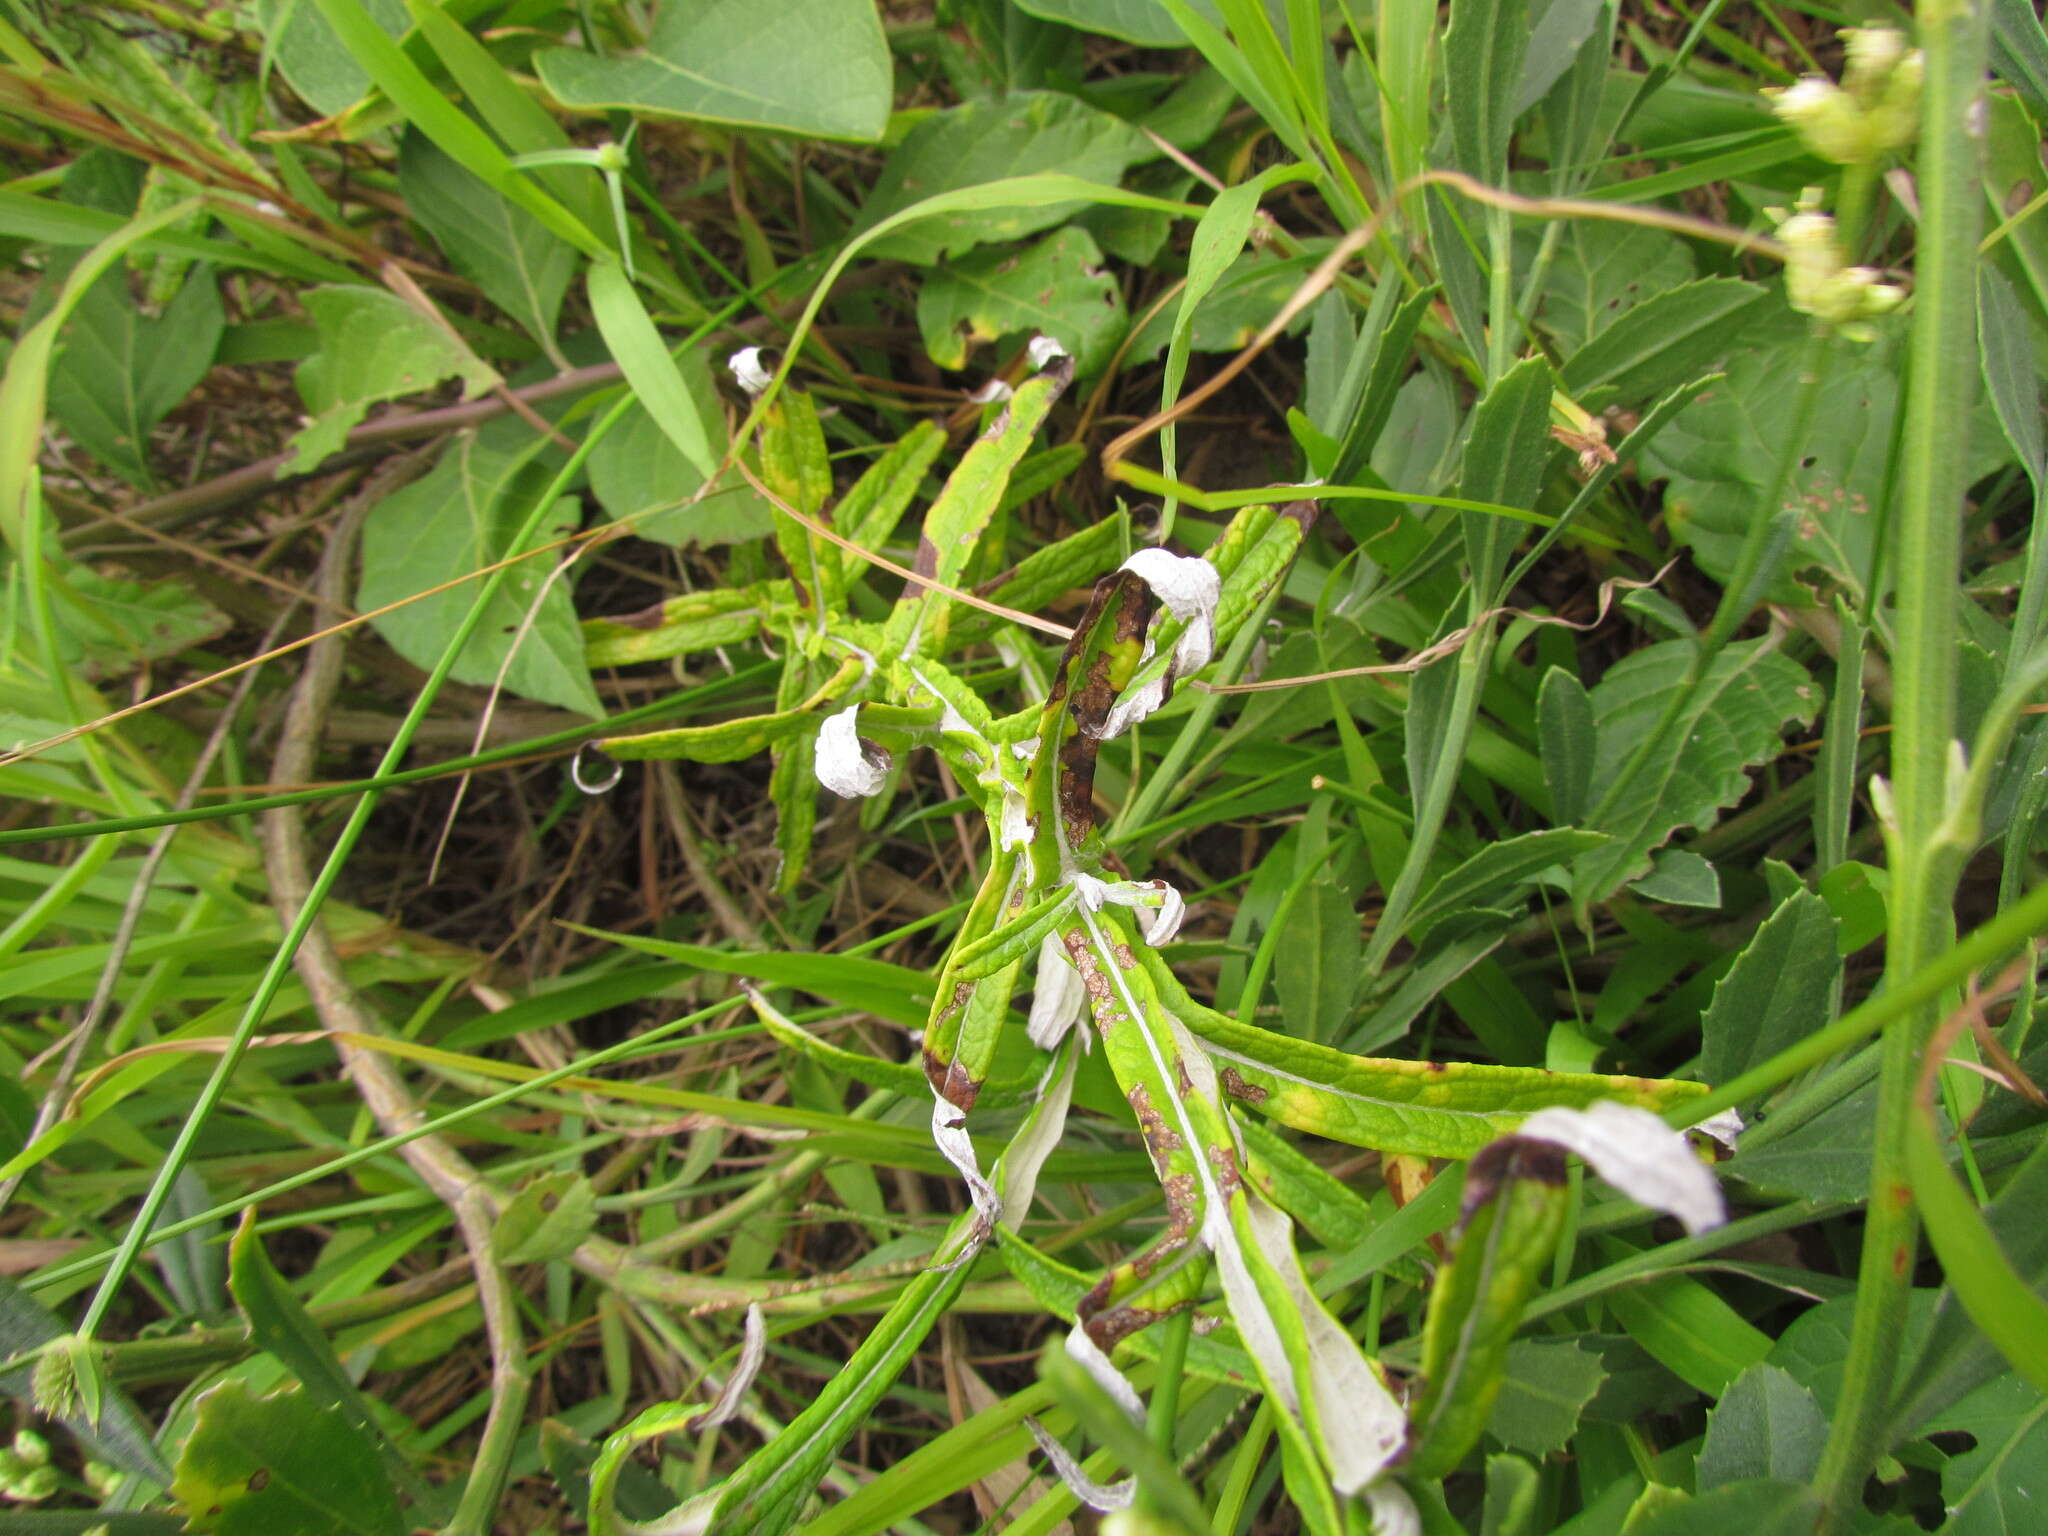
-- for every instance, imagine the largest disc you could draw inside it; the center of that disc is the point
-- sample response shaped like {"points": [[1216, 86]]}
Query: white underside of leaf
{"points": [[1085, 1353], [1035, 1140], [1101, 1497], [753, 1346], [844, 765], [1639, 1155], [1058, 997]]}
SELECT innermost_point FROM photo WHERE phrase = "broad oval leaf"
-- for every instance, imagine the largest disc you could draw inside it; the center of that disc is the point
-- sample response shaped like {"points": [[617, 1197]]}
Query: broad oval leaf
{"points": [[819, 68], [281, 1465]]}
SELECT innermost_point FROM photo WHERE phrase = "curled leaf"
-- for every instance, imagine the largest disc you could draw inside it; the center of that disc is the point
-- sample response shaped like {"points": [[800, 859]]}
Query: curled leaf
{"points": [[1087, 1354], [1159, 906], [990, 393], [1190, 588], [848, 766], [747, 370], [1043, 351], [1639, 1155], [1057, 1002], [949, 1135], [1100, 1497], [753, 1347]]}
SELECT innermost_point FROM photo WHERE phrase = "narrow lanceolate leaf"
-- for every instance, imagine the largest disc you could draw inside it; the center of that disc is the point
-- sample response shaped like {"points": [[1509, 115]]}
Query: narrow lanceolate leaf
{"points": [[1483, 51], [1515, 1204], [683, 625], [954, 525], [1414, 1108]]}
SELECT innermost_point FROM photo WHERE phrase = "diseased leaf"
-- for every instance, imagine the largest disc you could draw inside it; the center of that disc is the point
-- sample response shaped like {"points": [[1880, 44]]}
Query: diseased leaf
{"points": [[987, 140], [522, 266], [281, 1465], [820, 68], [1057, 287], [1766, 1425], [1545, 1386], [451, 522], [1778, 992], [1599, 273], [373, 346]]}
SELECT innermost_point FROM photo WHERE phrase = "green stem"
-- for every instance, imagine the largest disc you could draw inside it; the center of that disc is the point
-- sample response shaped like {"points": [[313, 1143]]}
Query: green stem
{"points": [[1939, 390]]}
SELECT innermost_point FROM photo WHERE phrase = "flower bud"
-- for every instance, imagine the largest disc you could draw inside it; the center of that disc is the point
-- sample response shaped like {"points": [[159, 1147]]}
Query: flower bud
{"points": [[1876, 108], [1819, 282]]}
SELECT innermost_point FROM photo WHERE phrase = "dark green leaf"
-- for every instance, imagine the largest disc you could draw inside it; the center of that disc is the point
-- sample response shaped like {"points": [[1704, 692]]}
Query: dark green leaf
{"points": [[453, 521], [1318, 973], [1506, 451], [1546, 1385], [1997, 1487], [522, 266], [1760, 1508], [1779, 990], [1766, 1425], [1483, 52], [1656, 345], [120, 371], [1564, 715], [1680, 878], [313, 60], [281, 1465]]}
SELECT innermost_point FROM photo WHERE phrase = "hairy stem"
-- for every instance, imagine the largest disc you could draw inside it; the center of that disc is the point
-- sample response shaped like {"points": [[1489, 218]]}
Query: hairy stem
{"points": [[1939, 389]]}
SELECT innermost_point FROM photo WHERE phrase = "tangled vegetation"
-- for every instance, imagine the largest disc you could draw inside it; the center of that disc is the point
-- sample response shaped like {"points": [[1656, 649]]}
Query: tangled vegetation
{"points": [[1162, 766]]}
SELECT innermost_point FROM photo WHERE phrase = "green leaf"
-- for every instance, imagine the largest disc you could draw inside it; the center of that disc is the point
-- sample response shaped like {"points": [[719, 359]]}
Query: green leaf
{"points": [[373, 346], [638, 473], [546, 1220], [1546, 1385], [107, 626], [1319, 976], [1761, 1508], [984, 141], [1483, 52], [1570, 738], [297, 36], [279, 1322], [281, 1465], [1779, 990], [118, 372], [1957, 1358], [1560, 30], [1144, 22], [1600, 273], [1656, 345], [1235, 310], [1057, 287], [1506, 452], [2009, 373], [1512, 1487], [821, 68], [2019, 50], [458, 518], [1497, 872], [1680, 878], [521, 265], [1703, 1340], [1996, 1487], [1720, 452], [1766, 1425], [1731, 722], [650, 368]]}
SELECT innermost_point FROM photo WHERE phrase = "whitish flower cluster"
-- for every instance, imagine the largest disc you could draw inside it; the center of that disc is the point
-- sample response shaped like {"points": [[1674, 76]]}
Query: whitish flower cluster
{"points": [[1876, 108], [1819, 280]]}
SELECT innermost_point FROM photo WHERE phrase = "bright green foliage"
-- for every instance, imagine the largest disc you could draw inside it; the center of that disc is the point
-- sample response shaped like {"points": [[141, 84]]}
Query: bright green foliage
{"points": [[898, 434]]}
